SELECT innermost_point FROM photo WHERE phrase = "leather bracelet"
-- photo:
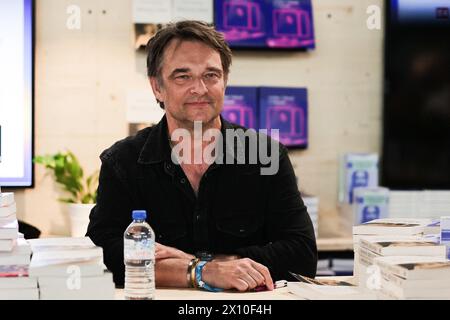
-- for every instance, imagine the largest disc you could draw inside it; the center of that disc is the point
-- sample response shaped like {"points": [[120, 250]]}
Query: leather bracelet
{"points": [[193, 273], [190, 267]]}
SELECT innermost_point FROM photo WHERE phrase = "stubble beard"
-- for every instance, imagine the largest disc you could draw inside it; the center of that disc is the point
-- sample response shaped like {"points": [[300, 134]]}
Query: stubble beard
{"points": [[186, 121]]}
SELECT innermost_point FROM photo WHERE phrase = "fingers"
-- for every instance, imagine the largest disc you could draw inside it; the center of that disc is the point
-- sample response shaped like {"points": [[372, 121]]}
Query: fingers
{"points": [[253, 274], [265, 273], [241, 285], [242, 274], [257, 276], [251, 283]]}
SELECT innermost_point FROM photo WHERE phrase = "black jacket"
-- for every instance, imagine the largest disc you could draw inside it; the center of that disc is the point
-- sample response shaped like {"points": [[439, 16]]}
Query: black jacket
{"points": [[237, 210]]}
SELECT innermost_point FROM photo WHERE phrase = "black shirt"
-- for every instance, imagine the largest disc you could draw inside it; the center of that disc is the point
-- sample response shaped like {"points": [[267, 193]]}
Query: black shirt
{"points": [[237, 210]]}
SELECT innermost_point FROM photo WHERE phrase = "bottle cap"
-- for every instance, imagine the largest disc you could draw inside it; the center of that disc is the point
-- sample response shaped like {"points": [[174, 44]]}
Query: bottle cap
{"points": [[139, 214]]}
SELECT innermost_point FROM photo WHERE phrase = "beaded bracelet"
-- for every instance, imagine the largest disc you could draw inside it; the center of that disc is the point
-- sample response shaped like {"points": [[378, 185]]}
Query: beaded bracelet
{"points": [[199, 281]]}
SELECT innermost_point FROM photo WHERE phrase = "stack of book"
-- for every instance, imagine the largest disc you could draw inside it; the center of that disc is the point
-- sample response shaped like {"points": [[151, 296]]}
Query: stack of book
{"points": [[70, 269], [15, 255], [15, 283], [8, 222], [373, 247], [386, 227], [414, 277]]}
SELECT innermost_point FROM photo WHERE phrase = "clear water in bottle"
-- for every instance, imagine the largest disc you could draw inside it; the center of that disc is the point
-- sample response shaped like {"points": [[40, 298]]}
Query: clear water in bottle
{"points": [[139, 258]]}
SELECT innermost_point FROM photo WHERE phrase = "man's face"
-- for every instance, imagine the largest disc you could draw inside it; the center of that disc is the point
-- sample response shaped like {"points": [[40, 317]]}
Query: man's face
{"points": [[193, 82]]}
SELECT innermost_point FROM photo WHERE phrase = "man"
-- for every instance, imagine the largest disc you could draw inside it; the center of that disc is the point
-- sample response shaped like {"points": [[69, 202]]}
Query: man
{"points": [[253, 227]]}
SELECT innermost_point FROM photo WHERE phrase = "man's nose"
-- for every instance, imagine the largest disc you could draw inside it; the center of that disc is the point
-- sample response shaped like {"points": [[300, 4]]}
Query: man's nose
{"points": [[199, 87]]}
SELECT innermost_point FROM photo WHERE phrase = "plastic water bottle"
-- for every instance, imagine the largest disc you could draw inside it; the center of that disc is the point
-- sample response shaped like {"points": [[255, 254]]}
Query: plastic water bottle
{"points": [[139, 255]]}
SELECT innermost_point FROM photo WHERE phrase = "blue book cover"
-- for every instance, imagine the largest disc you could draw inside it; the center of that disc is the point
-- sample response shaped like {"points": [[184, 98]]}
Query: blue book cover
{"points": [[242, 22], [285, 109], [285, 24], [291, 24], [240, 106]]}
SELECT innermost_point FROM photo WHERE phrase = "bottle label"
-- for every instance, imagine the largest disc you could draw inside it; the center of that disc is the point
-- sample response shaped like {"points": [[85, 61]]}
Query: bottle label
{"points": [[139, 250]]}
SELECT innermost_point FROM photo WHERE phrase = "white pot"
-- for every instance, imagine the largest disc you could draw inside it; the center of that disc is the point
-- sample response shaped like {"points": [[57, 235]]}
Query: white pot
{"points": [[79, 218]]}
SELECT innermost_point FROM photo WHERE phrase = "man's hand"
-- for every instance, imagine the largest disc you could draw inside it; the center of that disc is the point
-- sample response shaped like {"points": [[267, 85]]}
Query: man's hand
{"points": [[164, 252], [242, 274]]}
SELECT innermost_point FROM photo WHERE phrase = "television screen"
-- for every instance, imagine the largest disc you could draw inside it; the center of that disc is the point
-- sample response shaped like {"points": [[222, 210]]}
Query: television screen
{"points": [[16, 93], [416, 133], [283, 24]]}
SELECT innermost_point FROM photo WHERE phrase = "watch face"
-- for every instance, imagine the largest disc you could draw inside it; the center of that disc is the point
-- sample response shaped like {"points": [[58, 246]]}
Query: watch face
{"points": [[204, 256]]}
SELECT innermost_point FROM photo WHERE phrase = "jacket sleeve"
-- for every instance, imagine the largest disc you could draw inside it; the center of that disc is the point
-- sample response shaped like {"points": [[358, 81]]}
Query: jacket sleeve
{"points": [[292, 244], [109, 219]]}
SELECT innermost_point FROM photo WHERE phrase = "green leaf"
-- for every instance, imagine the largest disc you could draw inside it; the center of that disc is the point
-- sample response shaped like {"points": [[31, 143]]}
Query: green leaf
{"points": [[87, 199], [68, 173], [67, 200]]}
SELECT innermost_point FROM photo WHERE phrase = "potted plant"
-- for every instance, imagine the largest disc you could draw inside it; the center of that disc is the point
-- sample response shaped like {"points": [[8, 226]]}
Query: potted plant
{"points": [[81, 194]]}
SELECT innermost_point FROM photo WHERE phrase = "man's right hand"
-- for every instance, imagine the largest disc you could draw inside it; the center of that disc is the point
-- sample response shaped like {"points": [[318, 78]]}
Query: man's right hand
{"points": [[165, 252], [241, 274]]}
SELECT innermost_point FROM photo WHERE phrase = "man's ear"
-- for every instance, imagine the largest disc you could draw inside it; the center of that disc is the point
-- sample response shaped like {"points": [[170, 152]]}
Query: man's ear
{"points": [[156, 88]]}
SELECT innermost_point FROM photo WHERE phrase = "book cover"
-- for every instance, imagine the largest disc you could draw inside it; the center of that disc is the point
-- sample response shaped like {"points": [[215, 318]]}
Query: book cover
{"points": [[357, 170], [61, 243], [397, 226], [13, 271], [400, 246], [286, 110], [415, 267], [321, 282], [241, 106]]}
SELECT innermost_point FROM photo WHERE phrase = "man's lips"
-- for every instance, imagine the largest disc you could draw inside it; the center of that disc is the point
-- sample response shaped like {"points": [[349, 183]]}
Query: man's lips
{"points": [[197, 104]]}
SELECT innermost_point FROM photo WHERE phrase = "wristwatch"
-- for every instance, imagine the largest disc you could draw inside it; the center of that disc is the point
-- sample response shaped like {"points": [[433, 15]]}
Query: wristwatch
{"points": [[204, 255]]}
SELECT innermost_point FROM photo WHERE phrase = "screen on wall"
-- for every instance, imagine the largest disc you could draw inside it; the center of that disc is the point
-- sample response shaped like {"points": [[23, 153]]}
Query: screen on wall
{"points": [[416, 126], [16, 93]]}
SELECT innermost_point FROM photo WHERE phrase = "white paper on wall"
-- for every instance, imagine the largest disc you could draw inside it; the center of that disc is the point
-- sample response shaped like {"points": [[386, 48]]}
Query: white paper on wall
{"points": [[142, 107], [152, 11], [193, 10]]}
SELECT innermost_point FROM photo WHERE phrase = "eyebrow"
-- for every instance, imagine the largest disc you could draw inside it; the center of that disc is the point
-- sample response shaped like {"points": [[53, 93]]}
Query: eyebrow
{"points": [[179, 70], [185, 70], [214, 69]]}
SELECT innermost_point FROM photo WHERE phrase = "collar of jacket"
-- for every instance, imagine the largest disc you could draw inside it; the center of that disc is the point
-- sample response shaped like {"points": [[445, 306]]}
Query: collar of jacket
{"points": [[156, 148]]}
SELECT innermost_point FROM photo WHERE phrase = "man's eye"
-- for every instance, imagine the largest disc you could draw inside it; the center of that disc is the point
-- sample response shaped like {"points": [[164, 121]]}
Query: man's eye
{"points": [[211, 76], [183, 77]]}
